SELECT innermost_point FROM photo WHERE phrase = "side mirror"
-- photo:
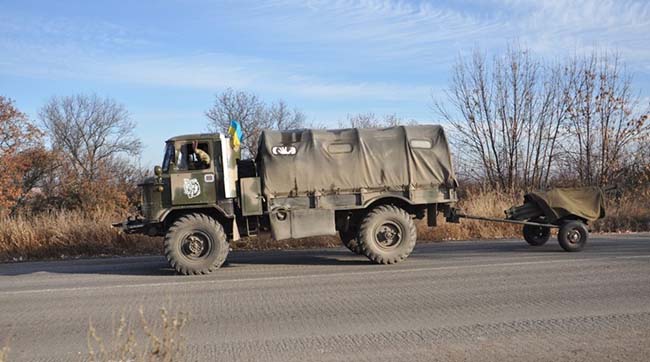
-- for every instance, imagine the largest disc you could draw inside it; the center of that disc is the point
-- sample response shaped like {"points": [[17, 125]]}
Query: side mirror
{"points": [[157, 171]]}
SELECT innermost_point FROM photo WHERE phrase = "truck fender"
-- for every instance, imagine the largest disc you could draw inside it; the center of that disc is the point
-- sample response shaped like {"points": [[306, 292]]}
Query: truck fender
{"points": [[213, 210]]}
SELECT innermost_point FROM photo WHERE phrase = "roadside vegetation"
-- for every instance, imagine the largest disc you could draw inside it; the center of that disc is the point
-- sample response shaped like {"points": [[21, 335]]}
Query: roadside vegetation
{"points": [[134, 339], [140, 340], [64, 234], [69, 234], [4, 352], [516, 122]]}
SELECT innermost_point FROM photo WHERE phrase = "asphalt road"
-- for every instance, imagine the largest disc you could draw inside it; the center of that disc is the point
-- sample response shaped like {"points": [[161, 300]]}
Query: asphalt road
{"points": [[488, 301]]}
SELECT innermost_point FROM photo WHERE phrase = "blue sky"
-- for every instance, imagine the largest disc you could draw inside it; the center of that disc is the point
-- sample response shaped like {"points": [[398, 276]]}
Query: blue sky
{"points": [[165, 60]]}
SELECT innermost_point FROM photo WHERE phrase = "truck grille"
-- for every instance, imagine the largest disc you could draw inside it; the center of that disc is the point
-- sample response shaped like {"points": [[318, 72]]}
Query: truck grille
{"points": [[150, 201]]}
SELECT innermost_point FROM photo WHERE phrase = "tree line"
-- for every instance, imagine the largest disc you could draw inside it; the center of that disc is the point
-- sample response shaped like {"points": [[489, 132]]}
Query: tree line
{"points": [[516, 121], [88, 164], [520, 122]]}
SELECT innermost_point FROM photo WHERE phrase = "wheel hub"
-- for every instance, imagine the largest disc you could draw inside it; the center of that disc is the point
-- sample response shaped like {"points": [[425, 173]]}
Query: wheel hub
{"points": [[388, 235], [195, 246], [573, 236]]}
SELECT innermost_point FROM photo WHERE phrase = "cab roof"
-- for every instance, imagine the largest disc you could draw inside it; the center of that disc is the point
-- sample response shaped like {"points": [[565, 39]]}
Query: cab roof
{"points": [[195, 136]]}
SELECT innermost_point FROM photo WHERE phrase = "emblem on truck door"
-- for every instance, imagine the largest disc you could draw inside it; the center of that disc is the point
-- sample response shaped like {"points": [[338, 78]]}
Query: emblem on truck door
{"points": [[284, 150], [191, 188]]}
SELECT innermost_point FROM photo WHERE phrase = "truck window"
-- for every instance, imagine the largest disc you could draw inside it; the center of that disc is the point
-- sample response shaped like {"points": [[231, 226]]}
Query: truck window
{"points": [[190, 158], [169, 157]]}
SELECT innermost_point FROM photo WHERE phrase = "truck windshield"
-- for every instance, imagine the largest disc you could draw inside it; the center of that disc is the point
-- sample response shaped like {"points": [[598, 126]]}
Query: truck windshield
{"points": [[169, 157]]}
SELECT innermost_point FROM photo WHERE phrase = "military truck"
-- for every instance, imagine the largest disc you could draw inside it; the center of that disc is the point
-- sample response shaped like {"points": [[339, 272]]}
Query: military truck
{"points": [[366, 185]]}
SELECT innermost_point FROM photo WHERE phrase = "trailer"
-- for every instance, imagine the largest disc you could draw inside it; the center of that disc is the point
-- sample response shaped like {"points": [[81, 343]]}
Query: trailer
{"points": [[567, 209]]}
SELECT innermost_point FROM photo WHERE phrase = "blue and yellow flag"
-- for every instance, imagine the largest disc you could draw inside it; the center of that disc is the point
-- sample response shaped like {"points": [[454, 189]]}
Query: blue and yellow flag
{"points": [[236, 136]]}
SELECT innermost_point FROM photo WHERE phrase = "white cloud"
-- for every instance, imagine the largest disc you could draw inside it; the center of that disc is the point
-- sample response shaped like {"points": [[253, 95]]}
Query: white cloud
{"points": [[372, 29], [102, 35], [433, 32], [556, 27], [335, 50], [209, 71]]}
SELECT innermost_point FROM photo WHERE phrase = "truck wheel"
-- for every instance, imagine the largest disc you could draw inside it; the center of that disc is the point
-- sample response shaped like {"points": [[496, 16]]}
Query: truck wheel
{"points": [[573, 235], [387, 235], [196, 244], [349, 239], [536, 235]]}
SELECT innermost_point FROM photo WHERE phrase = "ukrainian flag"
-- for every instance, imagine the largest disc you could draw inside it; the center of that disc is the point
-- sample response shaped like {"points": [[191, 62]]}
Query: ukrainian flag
{"points": [[236, 136]]}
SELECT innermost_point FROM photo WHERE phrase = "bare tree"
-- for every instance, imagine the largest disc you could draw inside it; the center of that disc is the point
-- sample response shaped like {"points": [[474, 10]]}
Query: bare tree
{"points": [[94, 138], [90, 132], [371, 120], [284, 118], [605, 119], [522, 123], [253, 115], [636, 173], [506, 115]]}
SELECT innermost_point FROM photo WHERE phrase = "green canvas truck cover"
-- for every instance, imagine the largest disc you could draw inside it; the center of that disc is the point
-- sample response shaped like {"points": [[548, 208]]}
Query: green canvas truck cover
{"points": [[585, 202], [300, 162]]}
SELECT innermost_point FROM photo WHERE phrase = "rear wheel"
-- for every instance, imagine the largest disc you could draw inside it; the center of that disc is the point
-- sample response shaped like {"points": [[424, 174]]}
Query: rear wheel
{"points": [[387, 235], [196, 244], [536, 235], [573, 235]]}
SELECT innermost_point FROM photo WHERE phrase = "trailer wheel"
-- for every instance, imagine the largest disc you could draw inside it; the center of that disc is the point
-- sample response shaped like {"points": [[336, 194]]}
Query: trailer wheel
{"points": [[536, 235], [349, 239], [196, 244], [573, 235], [387, 235]]}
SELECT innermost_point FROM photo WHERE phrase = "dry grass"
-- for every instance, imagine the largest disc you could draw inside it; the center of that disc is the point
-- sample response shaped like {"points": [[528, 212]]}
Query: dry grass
{"points": [[74, 234], [69, 234], [627, 212], [482, 204], [162, 341], [4, 353]]}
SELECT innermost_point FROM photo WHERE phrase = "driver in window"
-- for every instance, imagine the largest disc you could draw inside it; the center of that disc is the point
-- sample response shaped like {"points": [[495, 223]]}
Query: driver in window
{"points": [[201, 159]]}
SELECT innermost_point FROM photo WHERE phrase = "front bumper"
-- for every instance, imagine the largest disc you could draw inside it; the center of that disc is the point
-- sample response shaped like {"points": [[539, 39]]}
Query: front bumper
{"points": [[132, 226]]}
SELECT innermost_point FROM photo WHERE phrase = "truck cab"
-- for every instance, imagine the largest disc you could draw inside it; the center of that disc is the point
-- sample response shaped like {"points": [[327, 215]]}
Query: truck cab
{"points": [[184, 183]]}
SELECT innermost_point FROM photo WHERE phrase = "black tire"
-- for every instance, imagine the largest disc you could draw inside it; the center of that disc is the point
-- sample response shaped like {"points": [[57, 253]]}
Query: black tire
{"points": [[573, 235], [349, 239], [196, 244], [536, 235], [387, 235]]}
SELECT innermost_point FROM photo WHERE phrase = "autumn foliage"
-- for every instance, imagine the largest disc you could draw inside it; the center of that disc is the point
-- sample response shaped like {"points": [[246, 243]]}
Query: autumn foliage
{"points": [[82, 168], [23, 158]]}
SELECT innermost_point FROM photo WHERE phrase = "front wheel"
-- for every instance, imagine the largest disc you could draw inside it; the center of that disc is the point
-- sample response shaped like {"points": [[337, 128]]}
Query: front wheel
{"points": [[387, 235], [573, 236], [196, 244]]}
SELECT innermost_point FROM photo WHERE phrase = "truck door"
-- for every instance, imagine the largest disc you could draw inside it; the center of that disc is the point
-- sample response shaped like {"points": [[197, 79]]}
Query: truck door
{"points": [[193, 179]]}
